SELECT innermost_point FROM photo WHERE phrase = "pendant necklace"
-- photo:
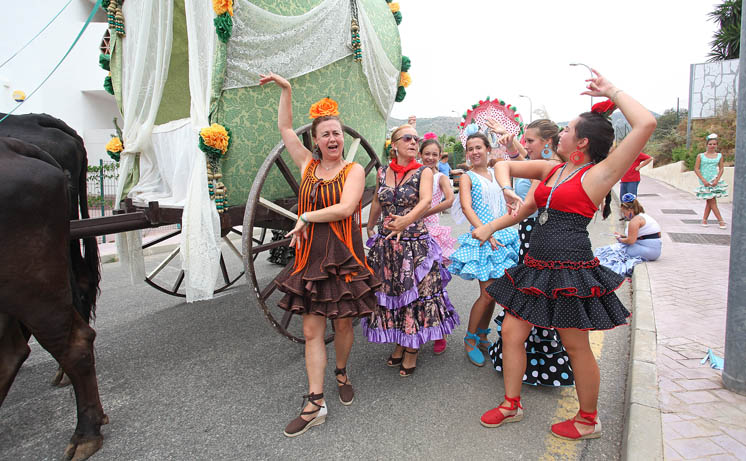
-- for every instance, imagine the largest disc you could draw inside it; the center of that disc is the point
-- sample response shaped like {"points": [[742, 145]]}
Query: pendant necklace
{"points": [[544, 216]]}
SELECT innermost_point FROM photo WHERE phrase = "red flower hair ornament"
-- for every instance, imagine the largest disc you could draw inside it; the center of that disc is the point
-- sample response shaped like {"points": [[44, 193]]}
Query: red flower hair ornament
{"points": [[604, 108]]}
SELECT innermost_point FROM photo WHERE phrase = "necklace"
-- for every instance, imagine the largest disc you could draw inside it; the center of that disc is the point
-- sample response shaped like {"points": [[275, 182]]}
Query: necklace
{"points": [[330, 167], [544, 216]]}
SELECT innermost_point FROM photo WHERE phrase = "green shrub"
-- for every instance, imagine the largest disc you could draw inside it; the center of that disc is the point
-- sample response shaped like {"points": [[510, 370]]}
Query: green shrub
{"points": [[688, 156]]}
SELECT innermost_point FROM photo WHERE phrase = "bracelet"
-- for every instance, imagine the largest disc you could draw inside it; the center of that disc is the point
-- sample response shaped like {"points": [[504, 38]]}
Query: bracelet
{"points": [[517, 153], [613, 96], [506, 187], [303, 218]]}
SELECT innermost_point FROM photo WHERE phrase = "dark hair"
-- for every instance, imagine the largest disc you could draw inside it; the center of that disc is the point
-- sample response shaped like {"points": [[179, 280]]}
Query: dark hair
{"points": [[479, 135], [600, 134], [430, 142], [547, 130], [315, 124]]}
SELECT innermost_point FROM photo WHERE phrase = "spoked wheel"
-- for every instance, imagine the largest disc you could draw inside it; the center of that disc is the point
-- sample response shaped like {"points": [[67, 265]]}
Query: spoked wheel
{"points": [[168, 276], [282, 214]]}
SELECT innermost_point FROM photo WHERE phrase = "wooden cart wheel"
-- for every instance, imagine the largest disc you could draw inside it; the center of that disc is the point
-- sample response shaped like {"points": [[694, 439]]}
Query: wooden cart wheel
{"points": [[168, 276], [282, 214]]}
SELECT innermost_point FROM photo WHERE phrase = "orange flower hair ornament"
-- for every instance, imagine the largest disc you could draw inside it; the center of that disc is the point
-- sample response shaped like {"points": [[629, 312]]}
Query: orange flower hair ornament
{"points": [[324, 107]]}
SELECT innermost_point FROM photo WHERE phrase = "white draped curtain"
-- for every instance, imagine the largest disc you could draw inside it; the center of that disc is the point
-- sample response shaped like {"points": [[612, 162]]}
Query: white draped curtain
{"points": [[146, 51]]}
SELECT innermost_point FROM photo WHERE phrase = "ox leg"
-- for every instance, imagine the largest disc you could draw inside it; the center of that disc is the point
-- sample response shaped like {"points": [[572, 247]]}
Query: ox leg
{"points": [[75, 354], [13, 352]]}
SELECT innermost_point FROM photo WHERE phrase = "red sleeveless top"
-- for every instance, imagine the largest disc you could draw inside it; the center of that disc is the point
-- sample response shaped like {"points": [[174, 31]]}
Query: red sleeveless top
{"points": [[570, 197]]}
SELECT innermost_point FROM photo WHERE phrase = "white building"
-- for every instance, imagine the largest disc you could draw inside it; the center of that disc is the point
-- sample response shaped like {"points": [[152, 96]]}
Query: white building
{"points": [[74, 93]]}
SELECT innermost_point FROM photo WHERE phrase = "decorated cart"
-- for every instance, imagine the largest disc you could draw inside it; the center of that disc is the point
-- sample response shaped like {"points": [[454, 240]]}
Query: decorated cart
{"points": [[199, 140]]}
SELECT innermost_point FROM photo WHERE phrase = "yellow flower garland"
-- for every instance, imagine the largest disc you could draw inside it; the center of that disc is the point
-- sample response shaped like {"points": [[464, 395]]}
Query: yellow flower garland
{"points": [[222, 6], [394, 7], [114, 145], [215, 136], [405, 79]]}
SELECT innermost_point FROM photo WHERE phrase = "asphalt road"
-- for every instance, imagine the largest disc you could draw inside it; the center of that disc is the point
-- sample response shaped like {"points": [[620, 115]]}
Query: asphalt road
{"points": [[213, 380]]}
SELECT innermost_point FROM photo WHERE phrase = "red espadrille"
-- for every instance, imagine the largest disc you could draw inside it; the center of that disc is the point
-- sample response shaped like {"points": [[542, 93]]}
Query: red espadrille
{"points": [[495, 418], [567, 430]]}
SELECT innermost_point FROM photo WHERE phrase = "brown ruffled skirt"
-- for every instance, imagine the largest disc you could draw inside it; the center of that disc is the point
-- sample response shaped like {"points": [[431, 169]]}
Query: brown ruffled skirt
{"points": [[333, 283]]}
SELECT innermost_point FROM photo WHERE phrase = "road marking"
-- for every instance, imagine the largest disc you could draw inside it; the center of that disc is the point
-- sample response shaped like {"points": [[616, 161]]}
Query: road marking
{"points": [[567, 407]]}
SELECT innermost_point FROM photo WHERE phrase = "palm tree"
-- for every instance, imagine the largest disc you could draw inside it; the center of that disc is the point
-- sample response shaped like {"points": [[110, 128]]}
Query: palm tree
{"points": [[726, 41]]}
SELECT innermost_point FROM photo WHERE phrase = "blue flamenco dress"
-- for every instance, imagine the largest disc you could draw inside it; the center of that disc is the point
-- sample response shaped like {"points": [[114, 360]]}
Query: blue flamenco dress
{"points": [[473, 260]]}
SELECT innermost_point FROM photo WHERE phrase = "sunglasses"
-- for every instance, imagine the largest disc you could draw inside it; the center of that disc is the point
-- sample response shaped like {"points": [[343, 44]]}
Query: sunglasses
{"points": [[410, 137]]}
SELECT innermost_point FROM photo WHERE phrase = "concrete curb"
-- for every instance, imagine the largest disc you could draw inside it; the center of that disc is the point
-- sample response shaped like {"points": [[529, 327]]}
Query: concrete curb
{"points": [[643, 427]]}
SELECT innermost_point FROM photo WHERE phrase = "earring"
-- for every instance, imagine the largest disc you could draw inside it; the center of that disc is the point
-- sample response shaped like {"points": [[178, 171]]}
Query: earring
{"points": [[546, 153], [576, 157]]}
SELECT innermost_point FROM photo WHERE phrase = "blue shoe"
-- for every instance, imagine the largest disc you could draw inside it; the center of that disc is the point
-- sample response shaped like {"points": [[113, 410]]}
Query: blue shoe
{"points": [[484, 344], [474, 355]]}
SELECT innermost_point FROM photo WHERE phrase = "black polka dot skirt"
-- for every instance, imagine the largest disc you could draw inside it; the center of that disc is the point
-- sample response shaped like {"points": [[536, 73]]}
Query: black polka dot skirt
{"points": [[560, 284], [547, 363], [524, 231]]}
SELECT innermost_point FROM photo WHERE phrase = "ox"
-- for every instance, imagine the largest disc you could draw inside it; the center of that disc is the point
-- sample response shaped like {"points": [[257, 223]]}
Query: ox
{"points": [[38, 282], [55, 137]]}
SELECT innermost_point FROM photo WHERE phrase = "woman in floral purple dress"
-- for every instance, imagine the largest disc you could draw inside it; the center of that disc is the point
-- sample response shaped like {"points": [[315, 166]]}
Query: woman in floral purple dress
{"points": [[413, 306]]}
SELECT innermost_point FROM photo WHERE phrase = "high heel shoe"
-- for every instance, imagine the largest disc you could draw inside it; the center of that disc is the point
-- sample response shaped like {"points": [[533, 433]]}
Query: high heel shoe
{"points": [[475, 355], [484, 344], [346, 392], [496, 418], [299, 425], [567, 430], [404, 371]]}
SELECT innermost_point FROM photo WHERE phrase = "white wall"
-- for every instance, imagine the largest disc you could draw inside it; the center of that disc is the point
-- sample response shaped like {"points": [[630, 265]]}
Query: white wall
{"points": [[75, 92]]}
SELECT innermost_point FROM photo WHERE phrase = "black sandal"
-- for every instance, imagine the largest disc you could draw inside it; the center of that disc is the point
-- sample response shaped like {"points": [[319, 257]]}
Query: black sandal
{"points": [[346, 393], [299, 425], [402, 368], [394, 361]]}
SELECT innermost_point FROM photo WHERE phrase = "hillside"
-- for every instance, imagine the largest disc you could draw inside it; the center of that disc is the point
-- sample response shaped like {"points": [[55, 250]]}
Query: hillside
{"points": [[438, 125]]}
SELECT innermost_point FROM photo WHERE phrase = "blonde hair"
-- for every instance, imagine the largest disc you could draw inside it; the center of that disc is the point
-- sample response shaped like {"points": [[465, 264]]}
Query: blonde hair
{"points": [[394, 133]]}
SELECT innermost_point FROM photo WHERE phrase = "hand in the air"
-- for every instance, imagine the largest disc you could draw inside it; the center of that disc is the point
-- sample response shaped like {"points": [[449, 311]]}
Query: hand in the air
{"points": [[272, 77], [495, 126], [599, 86]]}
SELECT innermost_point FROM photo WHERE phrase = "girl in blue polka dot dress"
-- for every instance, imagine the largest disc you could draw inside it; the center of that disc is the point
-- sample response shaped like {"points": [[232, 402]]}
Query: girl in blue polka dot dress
{"points": [[480, 201]]}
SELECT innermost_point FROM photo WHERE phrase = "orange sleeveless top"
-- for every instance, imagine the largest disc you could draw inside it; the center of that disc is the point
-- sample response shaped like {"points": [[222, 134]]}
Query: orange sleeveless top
{"points": [[315, 194]]}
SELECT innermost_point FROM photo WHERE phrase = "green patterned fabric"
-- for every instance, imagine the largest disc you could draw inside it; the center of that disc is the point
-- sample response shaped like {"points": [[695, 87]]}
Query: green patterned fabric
{"points": [[115, 64], [251, 113], [176, 98]]}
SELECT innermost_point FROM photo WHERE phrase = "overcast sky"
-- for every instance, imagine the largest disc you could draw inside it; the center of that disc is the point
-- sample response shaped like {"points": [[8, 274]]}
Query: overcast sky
{"points": [[465, 50]]}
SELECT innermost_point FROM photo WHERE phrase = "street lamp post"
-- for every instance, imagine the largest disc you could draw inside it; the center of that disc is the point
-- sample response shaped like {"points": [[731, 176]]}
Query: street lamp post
{"points": [[589, 70], [530, 106]]}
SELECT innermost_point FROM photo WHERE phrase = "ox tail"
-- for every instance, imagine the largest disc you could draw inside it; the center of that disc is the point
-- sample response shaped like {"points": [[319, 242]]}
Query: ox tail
{"points": [[88, 274]]}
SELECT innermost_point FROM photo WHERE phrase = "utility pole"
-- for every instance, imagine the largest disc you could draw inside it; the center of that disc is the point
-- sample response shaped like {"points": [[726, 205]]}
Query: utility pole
{"points": [[734, 374]]}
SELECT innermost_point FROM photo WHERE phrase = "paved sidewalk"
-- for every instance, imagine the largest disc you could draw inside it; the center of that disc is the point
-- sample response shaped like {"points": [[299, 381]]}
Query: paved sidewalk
{"points": [[701, 419]]}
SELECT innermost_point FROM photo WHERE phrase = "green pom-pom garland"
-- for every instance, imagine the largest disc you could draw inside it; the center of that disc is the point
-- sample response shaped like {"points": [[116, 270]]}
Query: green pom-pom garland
{"points": [[401, 93], [108, 86], [104, 61], [114, 155], [406, 63], [397, 17], [224, 27]]}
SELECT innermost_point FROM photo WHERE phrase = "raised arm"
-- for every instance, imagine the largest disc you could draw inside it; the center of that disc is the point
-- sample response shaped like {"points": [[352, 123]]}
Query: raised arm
{"points": [[448, 197], [601, 178], [298, 152]]}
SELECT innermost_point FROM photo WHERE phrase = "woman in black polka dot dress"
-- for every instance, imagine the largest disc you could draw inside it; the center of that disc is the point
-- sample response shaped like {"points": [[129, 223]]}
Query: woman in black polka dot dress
{"points": [[547, 363], [560, 283]]}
